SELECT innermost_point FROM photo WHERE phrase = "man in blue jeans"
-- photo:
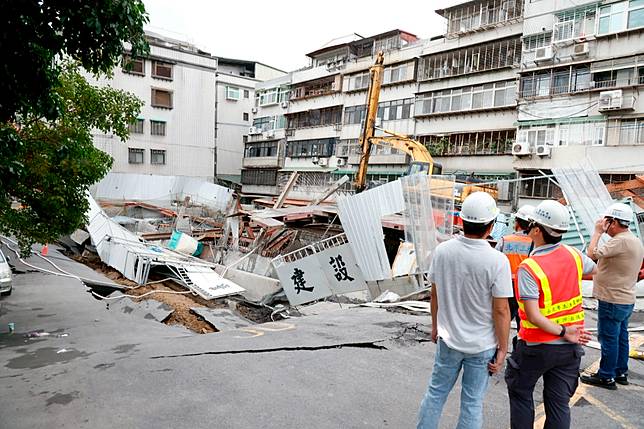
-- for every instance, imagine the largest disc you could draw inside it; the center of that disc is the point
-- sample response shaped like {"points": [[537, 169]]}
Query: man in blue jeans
{"points": [[618, 264], [471, 284]]}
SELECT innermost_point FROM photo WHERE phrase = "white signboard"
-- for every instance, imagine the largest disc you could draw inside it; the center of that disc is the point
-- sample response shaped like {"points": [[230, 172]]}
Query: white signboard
{"points": [[319, 275], [341, 270], [303, 280]]}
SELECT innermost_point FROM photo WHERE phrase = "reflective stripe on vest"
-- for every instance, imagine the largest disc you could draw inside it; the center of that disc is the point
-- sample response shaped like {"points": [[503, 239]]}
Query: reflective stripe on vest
{"points": [[516, 248], [530, 331]]}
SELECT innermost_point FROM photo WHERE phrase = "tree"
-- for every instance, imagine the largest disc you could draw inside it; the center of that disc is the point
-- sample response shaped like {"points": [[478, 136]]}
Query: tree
{"points": [[48, 110], [46, 166], [37, 33]]}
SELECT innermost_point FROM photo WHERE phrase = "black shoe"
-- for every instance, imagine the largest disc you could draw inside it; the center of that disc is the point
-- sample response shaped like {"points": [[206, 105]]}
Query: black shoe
{"points": [[596, 380], [622, 379]]}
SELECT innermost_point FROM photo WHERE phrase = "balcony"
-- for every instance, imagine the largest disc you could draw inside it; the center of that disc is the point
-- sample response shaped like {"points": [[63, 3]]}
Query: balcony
{"points": [[263, 161]]}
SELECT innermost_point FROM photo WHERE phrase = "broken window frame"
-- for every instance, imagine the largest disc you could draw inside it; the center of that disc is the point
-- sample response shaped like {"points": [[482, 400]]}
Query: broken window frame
{"points": [[537, 186]]}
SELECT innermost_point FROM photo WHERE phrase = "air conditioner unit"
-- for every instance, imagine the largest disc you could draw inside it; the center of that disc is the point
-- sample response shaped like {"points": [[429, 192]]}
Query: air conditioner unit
{"points": [[580, 49], [610, 100], [544, 53], [543, 149], [340, 162], [253, 110], [323, 162], [520, 149], [254, 130], [284, 104]]}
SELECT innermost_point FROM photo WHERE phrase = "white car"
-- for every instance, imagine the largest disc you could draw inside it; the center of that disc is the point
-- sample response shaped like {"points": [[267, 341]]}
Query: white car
{"points": [[5, 275]]}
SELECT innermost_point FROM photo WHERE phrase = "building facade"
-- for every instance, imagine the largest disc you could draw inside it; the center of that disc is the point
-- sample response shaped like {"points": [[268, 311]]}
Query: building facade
{"points": [[582, 70], [196, 113], [512, 88], [174, 133]]}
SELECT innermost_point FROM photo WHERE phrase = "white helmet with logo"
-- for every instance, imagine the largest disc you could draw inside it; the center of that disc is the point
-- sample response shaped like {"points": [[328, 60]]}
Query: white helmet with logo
{"points": [[553, 216], [620, 211], [479, 207], [525, 212]]}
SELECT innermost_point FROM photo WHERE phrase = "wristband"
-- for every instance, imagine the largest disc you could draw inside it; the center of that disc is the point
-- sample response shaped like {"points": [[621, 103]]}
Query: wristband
{"points": [[563, 331]]}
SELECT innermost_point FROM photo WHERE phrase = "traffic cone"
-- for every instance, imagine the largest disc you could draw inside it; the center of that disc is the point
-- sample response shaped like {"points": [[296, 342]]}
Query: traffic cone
{"points": [[45, 250]]}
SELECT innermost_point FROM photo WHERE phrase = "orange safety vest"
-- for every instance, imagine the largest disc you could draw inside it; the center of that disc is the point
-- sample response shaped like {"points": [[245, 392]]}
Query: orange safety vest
{"points": [[517, 248], [558, 275]]}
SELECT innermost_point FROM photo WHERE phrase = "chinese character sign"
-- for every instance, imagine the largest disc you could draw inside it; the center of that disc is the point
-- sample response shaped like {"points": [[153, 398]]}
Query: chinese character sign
{"points": [[341, 270], [303, 280]]}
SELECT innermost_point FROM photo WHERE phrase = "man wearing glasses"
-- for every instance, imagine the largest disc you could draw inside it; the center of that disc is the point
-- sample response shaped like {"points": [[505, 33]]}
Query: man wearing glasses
{"points": [[618, 265]]}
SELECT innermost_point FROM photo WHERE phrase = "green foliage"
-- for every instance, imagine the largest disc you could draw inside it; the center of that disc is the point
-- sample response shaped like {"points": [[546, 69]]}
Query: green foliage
{"points": [[36, 34], [46, 166]]}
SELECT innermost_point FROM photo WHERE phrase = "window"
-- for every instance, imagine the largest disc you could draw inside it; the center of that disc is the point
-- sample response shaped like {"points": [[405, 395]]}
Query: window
{"points": [[475, 143], [621, 16], [267, 123], [273, 96], [309, 148], [491, 95], [135, 155], [530, 43], [162, 70], [487, 56], [394, 74], [534, 185], [316, 87], [261, 149], [161, 98], [475, 15], [232, 93], [574, 23], [133, 65], [565, 134], [245, 117], [359, 81], [558, 81], [259, 177], [631, 131], [137, 126], [157, 128], [354, 114], [316, 118], [157, 156]]}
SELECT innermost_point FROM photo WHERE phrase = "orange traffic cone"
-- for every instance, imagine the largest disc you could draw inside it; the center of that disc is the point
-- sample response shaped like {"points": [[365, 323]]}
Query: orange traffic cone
{"points": [[44, 250]]}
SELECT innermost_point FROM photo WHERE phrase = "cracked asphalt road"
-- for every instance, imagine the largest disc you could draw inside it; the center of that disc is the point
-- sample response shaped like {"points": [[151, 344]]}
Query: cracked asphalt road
{"points": [[83, 365]]}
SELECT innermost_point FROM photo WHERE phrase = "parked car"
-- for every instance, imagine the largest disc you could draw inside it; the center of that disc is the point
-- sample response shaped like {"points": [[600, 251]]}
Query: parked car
{"points": [[5, 275]]}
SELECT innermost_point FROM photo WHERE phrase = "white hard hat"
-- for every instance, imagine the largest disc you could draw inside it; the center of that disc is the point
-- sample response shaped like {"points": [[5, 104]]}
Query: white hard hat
{"points": [[620, 211], [525, 212], [479, 207], [553, 215]]}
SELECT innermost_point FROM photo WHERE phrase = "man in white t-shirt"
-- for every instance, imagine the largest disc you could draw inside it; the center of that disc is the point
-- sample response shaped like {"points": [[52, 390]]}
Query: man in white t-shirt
{"points": [[471, 284]]}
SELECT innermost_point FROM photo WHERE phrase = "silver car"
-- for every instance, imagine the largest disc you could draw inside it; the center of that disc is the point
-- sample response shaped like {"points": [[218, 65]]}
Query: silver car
{"points": [[5, 275]]}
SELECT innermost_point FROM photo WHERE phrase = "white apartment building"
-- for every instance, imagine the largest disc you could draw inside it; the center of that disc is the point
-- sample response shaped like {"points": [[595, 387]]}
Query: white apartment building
{"points": [[175, 131], [235, 101], [581, 74], [196, 113]]}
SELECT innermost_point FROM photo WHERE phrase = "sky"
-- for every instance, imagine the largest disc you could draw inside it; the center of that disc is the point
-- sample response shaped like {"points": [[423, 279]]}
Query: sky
{"points": [[280, 32]]}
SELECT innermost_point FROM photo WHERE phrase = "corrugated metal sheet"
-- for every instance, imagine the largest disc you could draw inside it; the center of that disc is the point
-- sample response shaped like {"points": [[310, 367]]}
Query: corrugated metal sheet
{"points": [[361, 219], [427, 213], [162, 190], [584, 190]]}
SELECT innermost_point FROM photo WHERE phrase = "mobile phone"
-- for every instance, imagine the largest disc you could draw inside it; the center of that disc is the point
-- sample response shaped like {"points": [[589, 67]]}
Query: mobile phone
{"points": [[492, 361]]}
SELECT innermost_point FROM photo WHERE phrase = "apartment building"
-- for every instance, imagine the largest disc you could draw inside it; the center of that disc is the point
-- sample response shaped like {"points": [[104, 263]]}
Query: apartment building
{"points": [[196, 113], [512, 87], [174, 133], [581, 73], [465, 106], [235, 101]]}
